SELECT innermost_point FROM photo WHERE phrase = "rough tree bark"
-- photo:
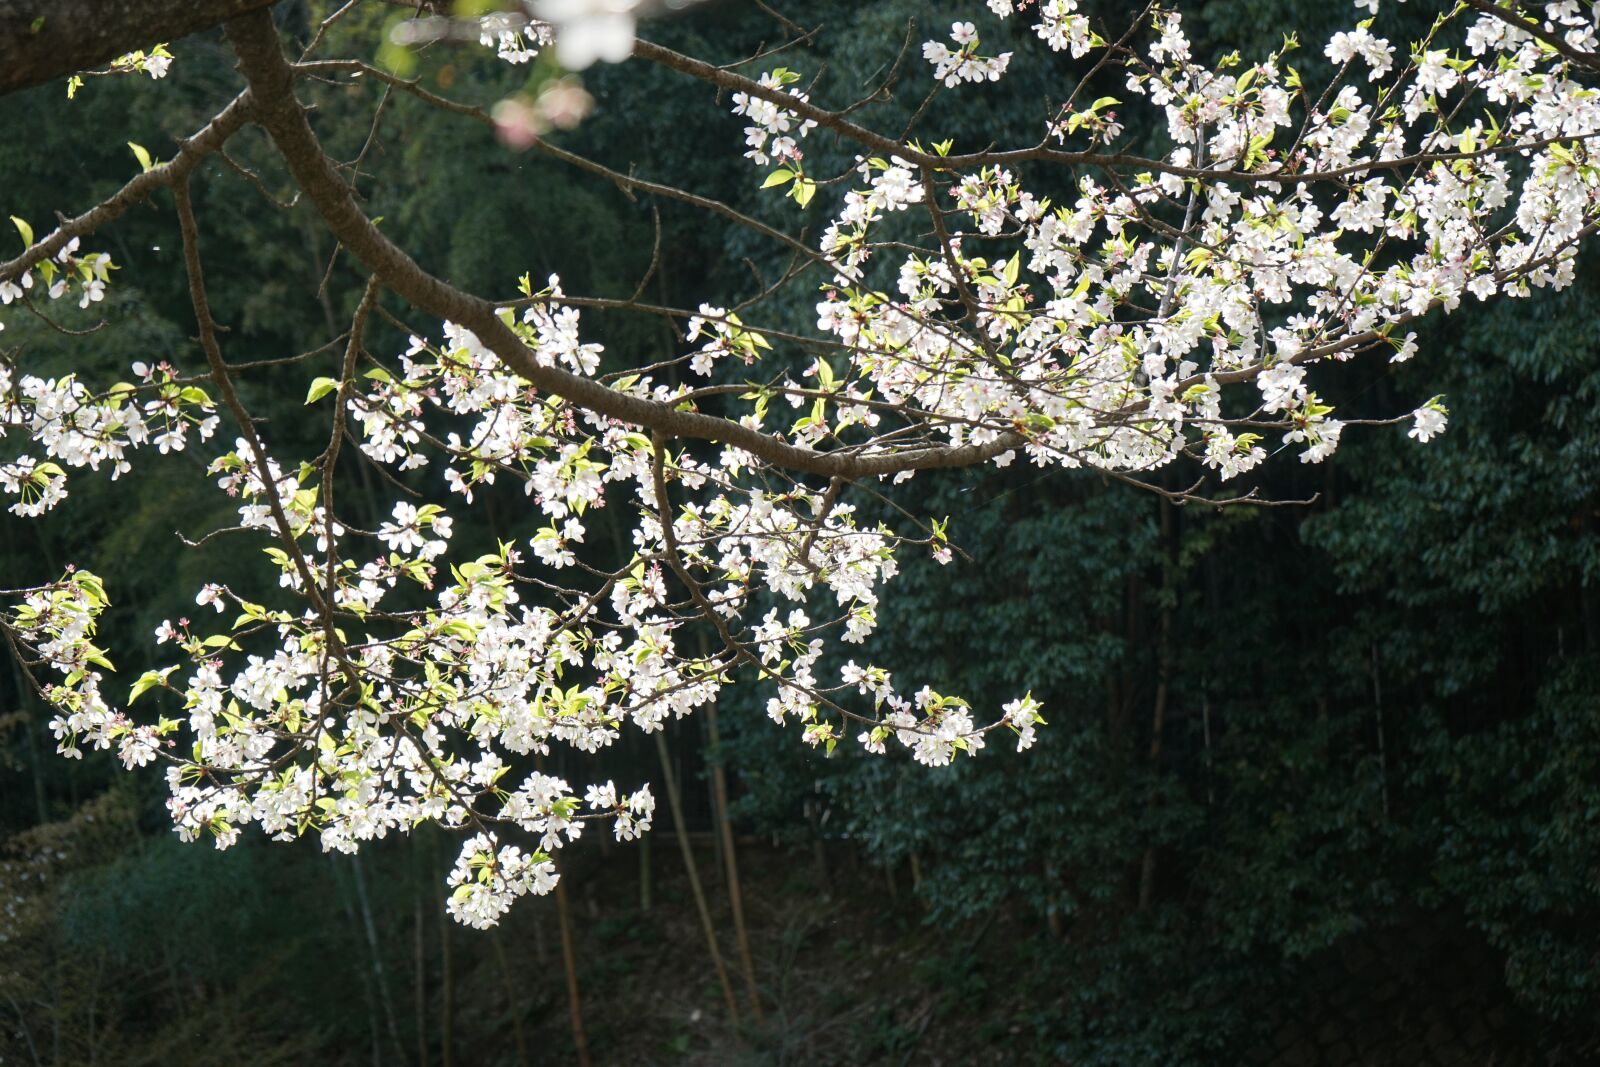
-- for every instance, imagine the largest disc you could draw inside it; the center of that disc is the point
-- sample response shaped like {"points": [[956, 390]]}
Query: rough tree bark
{"points": [[45, 39]]}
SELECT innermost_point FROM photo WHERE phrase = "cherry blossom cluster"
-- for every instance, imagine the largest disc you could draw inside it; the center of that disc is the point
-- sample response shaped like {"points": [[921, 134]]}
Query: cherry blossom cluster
{"points": [[156, 62], [70, 425], [774, 132], [731, 542], [1218, 242], [515, 39], [963, 63], [583, 31], [65, 274], [1059, 306], [350, 718]]}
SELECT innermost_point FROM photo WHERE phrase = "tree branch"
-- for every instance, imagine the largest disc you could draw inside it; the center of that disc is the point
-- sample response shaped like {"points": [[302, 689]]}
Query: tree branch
{"points": [[190, 152], [281, 116], [45, 39], [888, 146]]}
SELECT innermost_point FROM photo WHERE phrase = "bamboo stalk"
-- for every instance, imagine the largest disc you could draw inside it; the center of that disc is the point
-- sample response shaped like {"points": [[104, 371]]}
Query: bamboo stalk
{"points": [[675, 801], [569, 961], [719, 796], [644, 873], [370, 928], [419, 983], [510, 988], [446, 983], [1158, 717], [569, 965]]}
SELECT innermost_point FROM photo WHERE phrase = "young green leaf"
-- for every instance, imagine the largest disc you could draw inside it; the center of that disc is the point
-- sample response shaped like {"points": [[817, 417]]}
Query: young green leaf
{"points": [[320, 388]]}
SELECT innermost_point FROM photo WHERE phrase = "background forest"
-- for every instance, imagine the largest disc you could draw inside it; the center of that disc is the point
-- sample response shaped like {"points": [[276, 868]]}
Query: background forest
{"points": [[1321, 783]]}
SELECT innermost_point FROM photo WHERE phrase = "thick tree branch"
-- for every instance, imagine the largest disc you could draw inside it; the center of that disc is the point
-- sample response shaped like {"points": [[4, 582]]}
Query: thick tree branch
{"points": [[281, 116], [1516, 19], [45, 39]]}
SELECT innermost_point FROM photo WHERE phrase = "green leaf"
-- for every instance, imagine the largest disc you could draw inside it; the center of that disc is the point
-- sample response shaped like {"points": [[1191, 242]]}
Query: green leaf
{"points": [[24, 229], [320, 388], [142, 154], [147, 681], [778, 177], [86, 580]]}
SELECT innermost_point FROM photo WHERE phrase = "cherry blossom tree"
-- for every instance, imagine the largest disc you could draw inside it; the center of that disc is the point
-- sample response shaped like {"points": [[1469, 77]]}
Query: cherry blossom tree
{"points": [[1162, 314]]}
